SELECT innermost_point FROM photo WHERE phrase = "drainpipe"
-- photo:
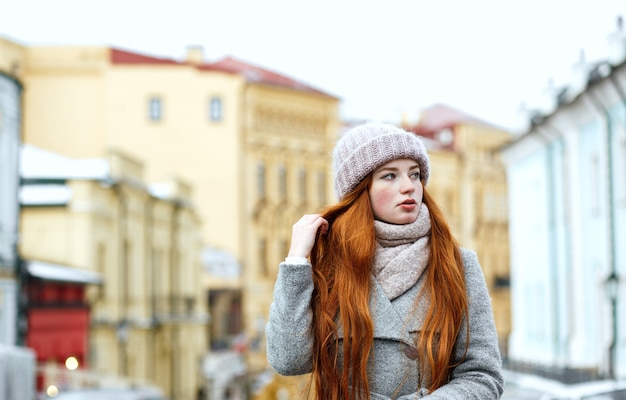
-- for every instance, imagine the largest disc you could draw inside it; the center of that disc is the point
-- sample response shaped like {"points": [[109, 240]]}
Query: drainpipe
{"points": [[612, 279], [149, 250], [122, 329], [174, 295]]}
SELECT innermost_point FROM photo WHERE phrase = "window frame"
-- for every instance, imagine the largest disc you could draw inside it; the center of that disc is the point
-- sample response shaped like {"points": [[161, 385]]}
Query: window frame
{"points": [[216, 109], [155, 108]]}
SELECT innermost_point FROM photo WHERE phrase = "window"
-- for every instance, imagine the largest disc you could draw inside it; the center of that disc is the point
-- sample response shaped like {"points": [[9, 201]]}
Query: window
{"points": [[260, 180], [494, 206], [234, 315], [321, 187], [282, 182], [215, 109], [621, 168], [126, 275], [501, 281], [283, 248], [101, 259], [263, 268], [155, 109], [595, 192], [302, 184], [479, 205]]}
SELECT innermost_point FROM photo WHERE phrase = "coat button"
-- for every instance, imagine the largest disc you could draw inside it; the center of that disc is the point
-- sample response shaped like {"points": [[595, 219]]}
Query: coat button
{"points": [[410, 352]]}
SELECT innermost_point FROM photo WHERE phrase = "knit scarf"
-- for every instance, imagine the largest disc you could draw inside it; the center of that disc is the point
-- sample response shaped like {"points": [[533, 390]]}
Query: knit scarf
{"points": [[402, 253]]}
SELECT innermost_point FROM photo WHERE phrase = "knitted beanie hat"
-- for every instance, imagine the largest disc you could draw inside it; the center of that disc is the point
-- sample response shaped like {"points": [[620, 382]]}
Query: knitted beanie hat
{"points": [[366, 147]]}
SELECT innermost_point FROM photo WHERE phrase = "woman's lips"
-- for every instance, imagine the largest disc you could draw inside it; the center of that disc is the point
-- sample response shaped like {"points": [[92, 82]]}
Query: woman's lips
{"points": [[408, 205]]}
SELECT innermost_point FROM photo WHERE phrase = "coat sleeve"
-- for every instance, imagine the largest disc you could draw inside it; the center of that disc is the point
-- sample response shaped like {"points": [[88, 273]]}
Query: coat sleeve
{"points": [[288, 331], [479, 376]]}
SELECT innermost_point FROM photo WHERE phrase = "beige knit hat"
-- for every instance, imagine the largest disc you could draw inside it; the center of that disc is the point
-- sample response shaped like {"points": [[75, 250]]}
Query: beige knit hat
{"points": [[366, 147]]}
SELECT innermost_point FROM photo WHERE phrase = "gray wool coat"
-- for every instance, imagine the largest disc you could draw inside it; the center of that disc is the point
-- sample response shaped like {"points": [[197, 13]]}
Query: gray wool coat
{"points": [[392, 368]]}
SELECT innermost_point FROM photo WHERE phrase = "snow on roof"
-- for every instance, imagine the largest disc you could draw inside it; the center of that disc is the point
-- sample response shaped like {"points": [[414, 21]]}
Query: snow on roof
{"points": [[160, 190], [48, 194], [61, 273], [37, 163]]}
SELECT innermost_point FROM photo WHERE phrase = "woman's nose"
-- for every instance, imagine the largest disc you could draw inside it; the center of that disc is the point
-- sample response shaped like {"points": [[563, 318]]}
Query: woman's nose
{"points": [[407, 185]]}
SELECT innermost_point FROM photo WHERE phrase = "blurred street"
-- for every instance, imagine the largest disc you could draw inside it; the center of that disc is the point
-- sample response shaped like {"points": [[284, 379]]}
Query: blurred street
{"points": [[148, 186]]}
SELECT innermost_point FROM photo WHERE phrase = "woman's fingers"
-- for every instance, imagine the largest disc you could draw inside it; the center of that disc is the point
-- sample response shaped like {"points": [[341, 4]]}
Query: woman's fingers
{"points": [[304, 232], [311, 222]]}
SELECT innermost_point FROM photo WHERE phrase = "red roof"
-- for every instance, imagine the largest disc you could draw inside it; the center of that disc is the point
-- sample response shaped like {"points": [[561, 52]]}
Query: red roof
{"points": [[250, 72], [437, 118], [127, 57], [441, 116], [254, 73]]}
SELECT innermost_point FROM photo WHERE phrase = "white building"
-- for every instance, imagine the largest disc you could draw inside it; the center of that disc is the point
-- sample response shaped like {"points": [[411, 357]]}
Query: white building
{"points": [[17, 364], [10, 116], [567, 205]]}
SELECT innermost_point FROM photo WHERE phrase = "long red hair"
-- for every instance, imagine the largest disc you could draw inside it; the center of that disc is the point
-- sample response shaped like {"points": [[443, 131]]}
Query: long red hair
{"points": [[342, 272]]}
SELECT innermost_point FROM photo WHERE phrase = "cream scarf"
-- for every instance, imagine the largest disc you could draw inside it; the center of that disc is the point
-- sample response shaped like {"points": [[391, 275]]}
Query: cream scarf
{"points": [[402, 253]]}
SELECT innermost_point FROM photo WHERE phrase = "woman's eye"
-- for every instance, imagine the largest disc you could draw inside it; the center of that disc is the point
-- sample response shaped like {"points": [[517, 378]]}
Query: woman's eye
{"points": [[388, 176], [415, 175]]}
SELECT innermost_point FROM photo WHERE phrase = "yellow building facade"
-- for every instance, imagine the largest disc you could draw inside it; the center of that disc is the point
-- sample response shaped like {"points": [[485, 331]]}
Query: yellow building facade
{"points": [[255, 145], [148, 317]]}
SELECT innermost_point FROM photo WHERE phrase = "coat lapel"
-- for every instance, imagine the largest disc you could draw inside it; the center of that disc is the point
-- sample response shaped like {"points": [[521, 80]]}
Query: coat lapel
{"points": [[390, 317], [396, 319]]}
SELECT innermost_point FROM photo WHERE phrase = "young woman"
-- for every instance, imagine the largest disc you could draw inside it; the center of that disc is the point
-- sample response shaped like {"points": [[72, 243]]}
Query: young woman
{"points": [[376, 299]]}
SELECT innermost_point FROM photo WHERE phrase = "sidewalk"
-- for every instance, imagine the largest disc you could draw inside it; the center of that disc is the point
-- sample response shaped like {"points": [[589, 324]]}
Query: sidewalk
{"points": [[526, 386]]}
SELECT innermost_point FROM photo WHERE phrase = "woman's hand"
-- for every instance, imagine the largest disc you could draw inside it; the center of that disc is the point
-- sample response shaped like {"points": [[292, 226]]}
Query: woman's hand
{"points": [[303, 234]]}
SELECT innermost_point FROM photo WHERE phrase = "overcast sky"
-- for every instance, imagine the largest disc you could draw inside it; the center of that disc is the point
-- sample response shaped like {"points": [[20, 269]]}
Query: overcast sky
{"points": [[383, 59]]}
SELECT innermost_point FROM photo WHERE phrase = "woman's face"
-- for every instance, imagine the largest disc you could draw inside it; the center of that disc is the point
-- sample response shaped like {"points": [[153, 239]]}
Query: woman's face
{"points": [[396, 191]]}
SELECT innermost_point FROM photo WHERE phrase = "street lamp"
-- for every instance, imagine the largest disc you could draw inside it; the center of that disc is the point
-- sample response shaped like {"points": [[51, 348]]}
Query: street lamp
{"points": [[71, 363], [611, 288]]}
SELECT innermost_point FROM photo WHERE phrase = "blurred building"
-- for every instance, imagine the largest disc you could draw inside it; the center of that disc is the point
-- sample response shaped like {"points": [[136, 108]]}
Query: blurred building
{"points": [[254, 144], [468, 180], [114, 280], [567, 197], [17, 364], [10, 140]]}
